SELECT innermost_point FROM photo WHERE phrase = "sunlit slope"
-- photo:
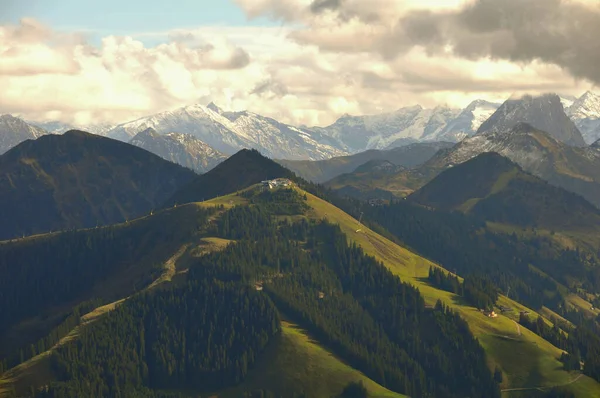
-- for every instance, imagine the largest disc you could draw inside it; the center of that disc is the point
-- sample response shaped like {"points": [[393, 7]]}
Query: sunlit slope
{"points": [[526, 359], [295, 363]]}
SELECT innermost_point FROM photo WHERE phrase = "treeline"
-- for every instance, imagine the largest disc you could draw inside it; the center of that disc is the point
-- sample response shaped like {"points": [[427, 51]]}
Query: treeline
{"points": [[463, 244], [477, 290], [580, 343], [203, 336]]}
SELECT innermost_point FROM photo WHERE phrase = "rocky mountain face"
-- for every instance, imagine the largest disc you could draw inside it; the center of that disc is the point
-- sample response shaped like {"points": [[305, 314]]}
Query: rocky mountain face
{"points": [[585, 112], [14, 130], [543, 112], [183, 149], [576, 169], [229, 132], [467, 122]]}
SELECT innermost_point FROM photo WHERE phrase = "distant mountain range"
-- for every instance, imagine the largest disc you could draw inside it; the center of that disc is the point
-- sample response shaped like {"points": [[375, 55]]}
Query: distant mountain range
{"points": [[229, 132], [575, 121]]}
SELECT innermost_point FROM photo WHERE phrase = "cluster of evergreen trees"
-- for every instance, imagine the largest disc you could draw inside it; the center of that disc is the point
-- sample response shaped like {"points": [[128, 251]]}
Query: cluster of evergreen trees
{"points": [[445, 281], [477, 290], [480, 292], [204, 336]]}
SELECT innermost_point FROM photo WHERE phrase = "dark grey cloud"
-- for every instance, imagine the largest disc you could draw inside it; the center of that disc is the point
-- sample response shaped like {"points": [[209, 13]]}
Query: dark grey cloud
{"points": [[558, 32], [240, 59], [318, 6], [270, 88]]}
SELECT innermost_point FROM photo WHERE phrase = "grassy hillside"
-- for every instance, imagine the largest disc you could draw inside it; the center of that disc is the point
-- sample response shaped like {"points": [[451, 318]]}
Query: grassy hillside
{"points": [[526, 359], [80, 180], [295, 362]]}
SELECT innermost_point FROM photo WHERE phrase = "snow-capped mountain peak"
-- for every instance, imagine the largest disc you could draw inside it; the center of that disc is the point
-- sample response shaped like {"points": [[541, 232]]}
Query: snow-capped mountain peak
{"points": [[544, 112], [228, 132], [586, 106]]}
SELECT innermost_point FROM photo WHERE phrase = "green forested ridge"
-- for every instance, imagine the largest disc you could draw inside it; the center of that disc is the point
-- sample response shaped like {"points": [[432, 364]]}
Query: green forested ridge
{"points": [[49, 274], [493, 188], [347, 300], [386, 309], [80, 180]]}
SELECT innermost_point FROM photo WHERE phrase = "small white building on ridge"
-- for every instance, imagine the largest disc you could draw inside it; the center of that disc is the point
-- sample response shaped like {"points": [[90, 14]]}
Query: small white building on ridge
{"points": [[278, 182]]}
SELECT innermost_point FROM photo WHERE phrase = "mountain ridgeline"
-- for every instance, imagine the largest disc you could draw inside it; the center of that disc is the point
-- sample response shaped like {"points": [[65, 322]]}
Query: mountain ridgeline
{"points": [[80, 180], [324, 170], [245, 168], [492, 187]]}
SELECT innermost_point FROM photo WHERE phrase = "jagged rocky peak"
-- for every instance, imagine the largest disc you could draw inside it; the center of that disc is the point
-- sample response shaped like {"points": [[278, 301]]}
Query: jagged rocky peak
{"points": [[14, 130], [544, 112], [586, 106]]}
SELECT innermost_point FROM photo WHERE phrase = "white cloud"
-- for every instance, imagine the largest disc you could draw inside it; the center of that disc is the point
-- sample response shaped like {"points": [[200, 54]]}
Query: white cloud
{"points": [[310, 71]]}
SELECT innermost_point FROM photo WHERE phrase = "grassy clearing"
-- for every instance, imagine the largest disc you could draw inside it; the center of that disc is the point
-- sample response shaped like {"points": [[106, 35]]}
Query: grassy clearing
{"points": [[524, 359], [227, 201], [295, 362], [582, 305]]}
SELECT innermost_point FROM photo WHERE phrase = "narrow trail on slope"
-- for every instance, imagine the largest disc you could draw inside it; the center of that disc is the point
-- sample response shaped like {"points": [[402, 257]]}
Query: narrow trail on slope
{"points": [[169, 271], [543, 388], [518, 327]]}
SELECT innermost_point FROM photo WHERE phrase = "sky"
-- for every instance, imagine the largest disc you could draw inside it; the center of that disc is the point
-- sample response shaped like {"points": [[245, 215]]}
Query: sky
{"points": [[304, 62]]}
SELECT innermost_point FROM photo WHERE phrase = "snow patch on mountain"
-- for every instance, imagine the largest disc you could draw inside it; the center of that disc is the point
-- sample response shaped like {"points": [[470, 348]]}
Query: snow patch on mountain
{"points": [[183, 149], [229, 132], [585, 112]]}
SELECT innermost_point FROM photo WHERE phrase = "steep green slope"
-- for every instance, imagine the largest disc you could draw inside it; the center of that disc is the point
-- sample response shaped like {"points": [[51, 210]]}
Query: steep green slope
{"points": [[80, 180], [492, 187], [297, 362], [525, 359]]}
